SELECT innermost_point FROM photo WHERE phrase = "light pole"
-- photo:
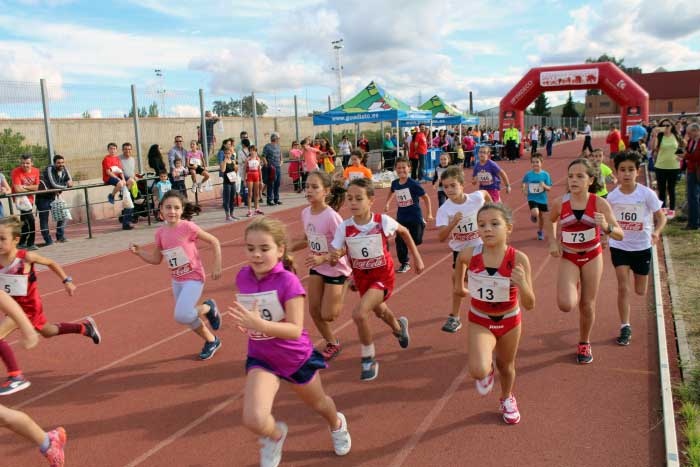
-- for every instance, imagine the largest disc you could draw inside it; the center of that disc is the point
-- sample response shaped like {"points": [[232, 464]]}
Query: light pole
{"points": [[161, 90], [338, 46]]}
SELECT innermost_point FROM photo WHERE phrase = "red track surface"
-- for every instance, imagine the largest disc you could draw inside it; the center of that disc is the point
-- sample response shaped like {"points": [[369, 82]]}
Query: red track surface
{"points": [[142, 398]]}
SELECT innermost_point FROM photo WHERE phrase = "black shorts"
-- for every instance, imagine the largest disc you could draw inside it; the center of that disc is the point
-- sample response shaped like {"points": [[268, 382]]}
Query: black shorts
{"points": [[455, 254], [540, 206], [638, 261], [333, 280], [198, 169], [302, 376]]}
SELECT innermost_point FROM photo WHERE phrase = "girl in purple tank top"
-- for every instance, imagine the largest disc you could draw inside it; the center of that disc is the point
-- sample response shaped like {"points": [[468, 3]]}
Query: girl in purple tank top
{"points": [[270, 309]]}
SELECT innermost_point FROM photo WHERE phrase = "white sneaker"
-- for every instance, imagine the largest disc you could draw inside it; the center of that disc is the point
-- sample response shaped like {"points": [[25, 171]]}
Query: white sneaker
{"points": [[485, 385], [271, 451], [509, 409], [341, 437]]}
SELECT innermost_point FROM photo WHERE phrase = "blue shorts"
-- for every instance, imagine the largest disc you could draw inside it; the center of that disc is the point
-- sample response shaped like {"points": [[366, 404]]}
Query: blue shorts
{"points": [[114, 180], [302, 376]]}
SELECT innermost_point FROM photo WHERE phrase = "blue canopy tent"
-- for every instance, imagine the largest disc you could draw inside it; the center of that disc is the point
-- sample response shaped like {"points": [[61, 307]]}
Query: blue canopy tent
{"points": [[372, 104]]}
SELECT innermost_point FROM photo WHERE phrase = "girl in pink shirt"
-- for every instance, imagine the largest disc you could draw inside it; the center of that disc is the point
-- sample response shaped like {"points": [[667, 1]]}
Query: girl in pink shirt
{"points": [[310, 156], [176, 242], [326, 283]]}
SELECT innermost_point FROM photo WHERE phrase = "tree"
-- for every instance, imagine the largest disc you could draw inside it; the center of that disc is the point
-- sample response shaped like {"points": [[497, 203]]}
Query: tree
{"points": [[541, 106], [143, 112], [86, 114], [619, 63], [12, 147], [153, 110], [569, 109], [239, 107]]}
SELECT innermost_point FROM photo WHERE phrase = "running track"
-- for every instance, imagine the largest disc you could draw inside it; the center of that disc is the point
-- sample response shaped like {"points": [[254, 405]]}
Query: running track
{"points": [[142, 398]]}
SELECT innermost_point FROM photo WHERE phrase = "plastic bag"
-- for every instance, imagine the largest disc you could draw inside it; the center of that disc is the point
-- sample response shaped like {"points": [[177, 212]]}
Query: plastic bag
{"points": [[23, 203], [460, 153], [127, 203], [135, 190], [328, 165], [59, 210]]}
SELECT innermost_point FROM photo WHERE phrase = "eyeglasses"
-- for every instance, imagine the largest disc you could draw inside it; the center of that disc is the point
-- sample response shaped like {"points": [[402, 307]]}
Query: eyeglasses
{"points": [[178, 141], [666, 125]]}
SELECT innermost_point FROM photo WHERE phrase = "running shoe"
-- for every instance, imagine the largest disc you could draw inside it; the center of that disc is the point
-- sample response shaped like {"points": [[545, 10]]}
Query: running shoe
{"points": [[194, 188], [228, 218], [341, 437], [55, 454], [453, 324], [405, 267], [92, 331], [485, 385], [271, 451], [625, 335], [210, 349], [671, 214], [250, 214], [403, 337], [258, 211], [213, 315], [370, 369], [110, 198], [14, 384], [540, 235], [509, 409], [584, 354], [331, 351]]}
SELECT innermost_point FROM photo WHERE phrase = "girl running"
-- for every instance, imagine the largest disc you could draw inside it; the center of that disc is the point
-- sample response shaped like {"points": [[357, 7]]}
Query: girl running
{"points": [[488, 175], [498, 279], [50, 444], [638, 211], [582, 216], [363, 238], [326, 282], [536, 184], [456, 220], [252, 178], [270, 308], [356, 169], [176, 241], [18, 279]]}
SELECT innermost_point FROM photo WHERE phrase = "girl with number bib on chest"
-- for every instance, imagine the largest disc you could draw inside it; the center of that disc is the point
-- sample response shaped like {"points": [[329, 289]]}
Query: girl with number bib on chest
{"points": [[19, 280], [327, 284], [499, 279], [270, 309], [176, 242], [363, 238], [582, 215]]}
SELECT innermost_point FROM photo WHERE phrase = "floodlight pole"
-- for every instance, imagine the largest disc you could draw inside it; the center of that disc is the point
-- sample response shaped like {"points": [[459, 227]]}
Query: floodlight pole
{"points": [[338, 46]]}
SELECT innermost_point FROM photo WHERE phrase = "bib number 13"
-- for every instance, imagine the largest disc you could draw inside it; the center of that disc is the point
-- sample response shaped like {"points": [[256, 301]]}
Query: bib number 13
{"points": [[485, 294]]}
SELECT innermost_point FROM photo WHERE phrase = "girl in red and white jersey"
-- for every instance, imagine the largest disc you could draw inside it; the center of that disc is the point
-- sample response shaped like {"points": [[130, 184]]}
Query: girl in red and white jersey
{"points": [[18, 279], [253, 177], [363, 238], [497, 273], [581, 215]]}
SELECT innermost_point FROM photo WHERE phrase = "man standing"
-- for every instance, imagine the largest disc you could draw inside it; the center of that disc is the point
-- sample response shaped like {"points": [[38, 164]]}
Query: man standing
{"points": [[26, 178], [54, 177], [511, 138], [613, 139], [637, 133], [534, 134], [177, 151], [273, 155], [587, 137], [420, 143], [209, 121]]}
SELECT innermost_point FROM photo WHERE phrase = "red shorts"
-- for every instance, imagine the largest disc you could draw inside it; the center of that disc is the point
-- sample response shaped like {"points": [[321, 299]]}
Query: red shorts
{"points": [[35, 313], [498, 325], [364, 282], [252, 177], [495, 195], [582, 258]]}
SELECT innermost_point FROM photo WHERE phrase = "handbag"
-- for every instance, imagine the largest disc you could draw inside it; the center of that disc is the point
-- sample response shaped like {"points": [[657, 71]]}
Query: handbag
{"points": [[59, 210], [127, 203], [328, 165], [621, 146]]}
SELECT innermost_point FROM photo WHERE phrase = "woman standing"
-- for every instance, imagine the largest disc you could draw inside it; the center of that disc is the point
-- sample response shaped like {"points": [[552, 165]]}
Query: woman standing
{"points": [[388, 152], [344, 149], [692, 159], [666, 144]]}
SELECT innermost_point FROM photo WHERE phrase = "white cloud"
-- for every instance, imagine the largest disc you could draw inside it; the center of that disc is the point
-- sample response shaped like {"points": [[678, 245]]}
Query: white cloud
{"points": [[187, 9], [669, 20], [184, 110]]}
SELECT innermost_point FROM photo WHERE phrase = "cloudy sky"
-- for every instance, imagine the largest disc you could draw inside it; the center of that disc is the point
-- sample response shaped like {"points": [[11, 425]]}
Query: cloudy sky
{"points": [[91, 51]]}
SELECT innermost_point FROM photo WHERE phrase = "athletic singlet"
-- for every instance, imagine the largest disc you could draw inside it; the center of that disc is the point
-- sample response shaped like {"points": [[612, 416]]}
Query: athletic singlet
{"points": [[367, 251], [579, 234], [22, 287], [253, 165], [492, 294]]}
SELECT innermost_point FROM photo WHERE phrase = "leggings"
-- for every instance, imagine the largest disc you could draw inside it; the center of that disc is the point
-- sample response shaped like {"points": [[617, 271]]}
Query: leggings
{"points": [[187, 294], [666, 183], [229, 197]]}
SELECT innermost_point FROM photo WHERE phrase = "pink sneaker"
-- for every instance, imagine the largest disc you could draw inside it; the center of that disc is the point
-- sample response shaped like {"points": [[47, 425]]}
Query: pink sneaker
{"points": [[509, 409], [331, 351], [250, 214], [55, 453], [671, 214], [485, 385]]}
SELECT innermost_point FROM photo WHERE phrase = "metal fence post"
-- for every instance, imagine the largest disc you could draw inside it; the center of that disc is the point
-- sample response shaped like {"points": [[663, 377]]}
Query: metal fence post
{"points": [[255, 118], [330, 127], [203, 125], [296, 117], [137, 129], [87, 212], [47, 120]]}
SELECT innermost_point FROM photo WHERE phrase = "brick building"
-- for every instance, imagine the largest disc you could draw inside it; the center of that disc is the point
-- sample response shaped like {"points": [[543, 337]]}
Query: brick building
{"points": [[670, 94]]}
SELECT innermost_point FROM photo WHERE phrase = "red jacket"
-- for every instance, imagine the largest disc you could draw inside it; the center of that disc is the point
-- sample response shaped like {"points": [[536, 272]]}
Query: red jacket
{"points": [[613, 140], [692, 156], [421, 144]]}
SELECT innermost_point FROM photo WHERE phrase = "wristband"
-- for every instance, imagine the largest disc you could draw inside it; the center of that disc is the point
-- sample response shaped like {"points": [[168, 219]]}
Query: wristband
{"points": [[67, 279]]}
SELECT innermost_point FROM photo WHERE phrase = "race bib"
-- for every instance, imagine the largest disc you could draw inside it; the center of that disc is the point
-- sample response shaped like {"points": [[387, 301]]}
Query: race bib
{"points": [[535, 188], [574, 238], [404, 198], [465, 230], [178, 261], [488, 288], [14, 284], [629, 216], [194, 161], [355, 175], [232, 177], [269, 307], [253, 164], [366, 251], [318, 244], [484, 177]]}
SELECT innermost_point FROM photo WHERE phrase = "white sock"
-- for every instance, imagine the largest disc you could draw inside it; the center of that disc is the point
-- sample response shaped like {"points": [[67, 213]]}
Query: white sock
{"points": [[625, 324], [367, 350]]}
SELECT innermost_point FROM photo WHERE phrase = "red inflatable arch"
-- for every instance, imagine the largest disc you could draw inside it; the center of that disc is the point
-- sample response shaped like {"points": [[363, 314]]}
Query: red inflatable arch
{"points": [[630, 96]]}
